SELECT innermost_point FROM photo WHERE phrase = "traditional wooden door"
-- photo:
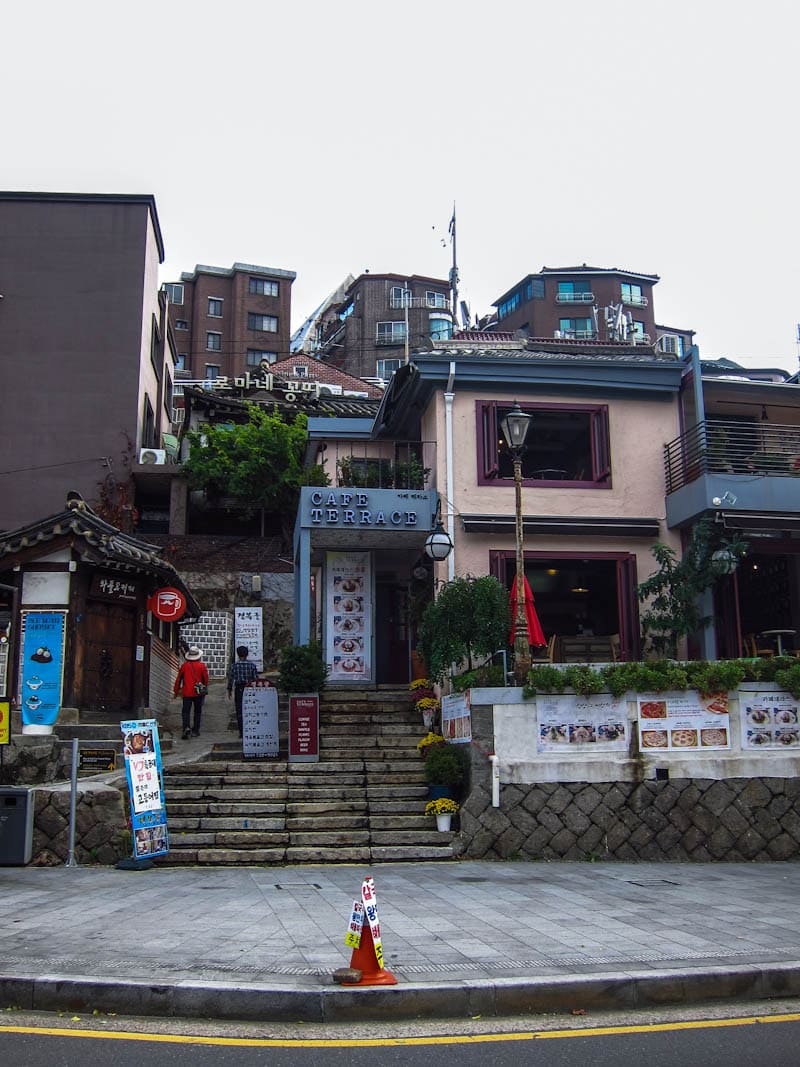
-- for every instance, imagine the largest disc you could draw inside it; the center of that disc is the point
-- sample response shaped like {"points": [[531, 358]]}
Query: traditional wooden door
{"points": [[108, 657]]}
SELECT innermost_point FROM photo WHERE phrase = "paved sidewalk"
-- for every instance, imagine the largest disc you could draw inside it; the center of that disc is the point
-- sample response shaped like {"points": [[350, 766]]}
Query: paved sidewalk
{"points": [[463, 938]]}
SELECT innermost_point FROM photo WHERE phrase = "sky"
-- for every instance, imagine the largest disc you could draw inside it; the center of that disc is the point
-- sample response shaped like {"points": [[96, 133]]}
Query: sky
{"points": [[330, 139]]}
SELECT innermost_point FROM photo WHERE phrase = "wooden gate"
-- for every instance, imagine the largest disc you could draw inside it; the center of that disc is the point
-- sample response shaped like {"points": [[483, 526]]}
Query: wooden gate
{"points": [[108, 657]]}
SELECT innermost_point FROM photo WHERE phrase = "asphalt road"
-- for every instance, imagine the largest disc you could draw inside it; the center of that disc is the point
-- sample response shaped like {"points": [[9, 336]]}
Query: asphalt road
{"points": [[720, 1041]]}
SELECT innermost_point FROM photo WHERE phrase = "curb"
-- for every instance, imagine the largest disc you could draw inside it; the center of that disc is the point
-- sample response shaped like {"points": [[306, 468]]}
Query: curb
{"points": [[513, 996]]}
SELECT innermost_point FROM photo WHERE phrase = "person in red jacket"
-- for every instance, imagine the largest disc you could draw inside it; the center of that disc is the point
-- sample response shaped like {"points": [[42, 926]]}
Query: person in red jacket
{"points": [[192, 675]]}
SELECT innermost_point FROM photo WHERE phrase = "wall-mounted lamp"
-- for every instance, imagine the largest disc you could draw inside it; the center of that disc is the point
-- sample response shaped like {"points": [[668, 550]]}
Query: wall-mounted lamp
{"points": [[438, 544], [255, 583], [724, 561]]}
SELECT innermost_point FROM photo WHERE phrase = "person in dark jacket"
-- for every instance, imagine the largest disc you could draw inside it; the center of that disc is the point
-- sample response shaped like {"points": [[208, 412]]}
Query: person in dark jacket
{"points": [[241, 673], [192, 674]]}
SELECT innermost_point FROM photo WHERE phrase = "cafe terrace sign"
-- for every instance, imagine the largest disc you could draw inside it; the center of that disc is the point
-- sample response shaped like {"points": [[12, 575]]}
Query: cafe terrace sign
{"points": [[366, 509]]}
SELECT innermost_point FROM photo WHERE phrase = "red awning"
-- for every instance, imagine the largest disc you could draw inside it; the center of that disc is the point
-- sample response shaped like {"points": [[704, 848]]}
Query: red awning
{"points": [[535, 632]]}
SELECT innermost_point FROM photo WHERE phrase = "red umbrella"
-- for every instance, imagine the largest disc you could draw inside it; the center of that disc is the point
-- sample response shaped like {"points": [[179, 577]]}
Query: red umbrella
{"points": [[535, 632]]}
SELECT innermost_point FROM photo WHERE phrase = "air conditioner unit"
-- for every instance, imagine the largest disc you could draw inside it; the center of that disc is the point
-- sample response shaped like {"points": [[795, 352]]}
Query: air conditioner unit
{"points": [[154, 456]]}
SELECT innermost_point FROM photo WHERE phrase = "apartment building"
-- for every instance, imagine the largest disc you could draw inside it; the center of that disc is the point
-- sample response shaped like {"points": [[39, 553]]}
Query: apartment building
{"points": [[381, 319], [226, 320]]}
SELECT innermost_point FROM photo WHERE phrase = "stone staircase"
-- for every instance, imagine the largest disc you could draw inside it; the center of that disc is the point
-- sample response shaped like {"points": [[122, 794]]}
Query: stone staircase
{"points": [[362, 803]]}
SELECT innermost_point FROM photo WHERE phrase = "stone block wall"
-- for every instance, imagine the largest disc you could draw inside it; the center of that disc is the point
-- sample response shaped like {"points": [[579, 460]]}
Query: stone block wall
{"points": [[164, 665], [101, 823], [28, 760], [213, 632]]}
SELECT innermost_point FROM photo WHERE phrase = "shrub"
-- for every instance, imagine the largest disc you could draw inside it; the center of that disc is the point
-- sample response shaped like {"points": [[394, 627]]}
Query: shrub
{"points": [[445, 765], [303, 669]]}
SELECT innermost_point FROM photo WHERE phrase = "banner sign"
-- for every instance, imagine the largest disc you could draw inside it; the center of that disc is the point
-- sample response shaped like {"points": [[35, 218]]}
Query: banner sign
{"points": [[365, 909], [304, 728], [596, 722], [167, 604], [770, 720], [353, 936], [5, 644], [142, 751], [349, 616], [42, 664], [5, 722], [684, 722], [456, 720], [259, 719], [248, 629]]}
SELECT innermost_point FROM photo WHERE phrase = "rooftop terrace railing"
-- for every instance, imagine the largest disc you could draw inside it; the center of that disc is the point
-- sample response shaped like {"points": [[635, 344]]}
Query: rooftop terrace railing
{"points": [[724, 446]]}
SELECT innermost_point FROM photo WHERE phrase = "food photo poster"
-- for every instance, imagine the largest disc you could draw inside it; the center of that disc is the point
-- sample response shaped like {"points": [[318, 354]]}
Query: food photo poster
{"points": [[349, 615], [684, 722]]}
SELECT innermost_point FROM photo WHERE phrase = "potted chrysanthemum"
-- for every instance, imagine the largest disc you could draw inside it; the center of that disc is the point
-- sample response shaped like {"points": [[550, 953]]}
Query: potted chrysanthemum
{"points": [[444, 809]]}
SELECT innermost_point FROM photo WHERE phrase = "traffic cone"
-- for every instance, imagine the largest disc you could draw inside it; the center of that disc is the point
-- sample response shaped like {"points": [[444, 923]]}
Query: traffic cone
{"points": [[365, 960]]}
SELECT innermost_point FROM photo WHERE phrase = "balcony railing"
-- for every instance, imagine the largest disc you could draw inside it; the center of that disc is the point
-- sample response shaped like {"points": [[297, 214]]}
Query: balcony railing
{"points": [[718, 446], [381, 465], [397, 303], [575, 298], [635, 301]]}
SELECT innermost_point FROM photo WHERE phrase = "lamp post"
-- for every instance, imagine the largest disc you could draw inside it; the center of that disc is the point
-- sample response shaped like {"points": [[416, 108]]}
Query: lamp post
{"points": [[515, 429]]}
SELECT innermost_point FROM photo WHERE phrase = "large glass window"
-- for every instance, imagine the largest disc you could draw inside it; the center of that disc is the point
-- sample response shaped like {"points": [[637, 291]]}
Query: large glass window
{"points": [[390, 333], [174, 292], [261, 287], [435, 300], [579, 292], [632, 294], [257, 356], [440, 328], [566, 444], [264, 323], [579, 328], [215, 307], [214, 342], [385, 368]]}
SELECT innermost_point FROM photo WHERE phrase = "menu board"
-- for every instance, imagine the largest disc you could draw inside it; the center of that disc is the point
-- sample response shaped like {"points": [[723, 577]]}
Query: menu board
{"points": [[770, 720], [596, 723], [259, 719], [349, 614], [456, 721], [248, 630], [684, 722]]}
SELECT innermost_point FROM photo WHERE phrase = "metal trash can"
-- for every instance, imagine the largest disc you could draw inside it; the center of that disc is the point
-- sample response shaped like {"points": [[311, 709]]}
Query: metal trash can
{"points": [[16, 826]]}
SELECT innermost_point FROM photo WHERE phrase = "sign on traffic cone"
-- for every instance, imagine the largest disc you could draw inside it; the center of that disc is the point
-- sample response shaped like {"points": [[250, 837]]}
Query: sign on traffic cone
{"points": [[365, 959]]}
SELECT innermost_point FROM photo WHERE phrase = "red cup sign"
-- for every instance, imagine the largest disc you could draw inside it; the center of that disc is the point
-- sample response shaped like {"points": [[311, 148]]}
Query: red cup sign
{"points": [[167, 604]]}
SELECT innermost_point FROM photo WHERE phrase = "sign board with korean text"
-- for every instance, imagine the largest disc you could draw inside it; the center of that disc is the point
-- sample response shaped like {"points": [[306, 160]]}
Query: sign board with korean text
{"points": [[97, 759], [304, 728], [142, 752], [113, 588], [248, 630], [770, 720], [259, 720], [41, 668], [683, 722]]}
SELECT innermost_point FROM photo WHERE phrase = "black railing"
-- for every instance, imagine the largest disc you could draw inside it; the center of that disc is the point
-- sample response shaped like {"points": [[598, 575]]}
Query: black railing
{"points": [[723, 446], [382, 465]]}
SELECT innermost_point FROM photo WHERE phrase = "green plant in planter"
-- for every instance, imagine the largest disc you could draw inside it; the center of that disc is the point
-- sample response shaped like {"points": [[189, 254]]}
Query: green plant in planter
{"points": [[544, 679], [303, 669], [490, 675], [469, 618], [788, 678], [718, 676], [584, 680], [446, 765]]}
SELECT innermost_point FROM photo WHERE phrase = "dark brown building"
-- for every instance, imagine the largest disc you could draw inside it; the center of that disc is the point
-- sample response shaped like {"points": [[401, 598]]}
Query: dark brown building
{"points": [[227, 320], [88, 370], [382, 318]]}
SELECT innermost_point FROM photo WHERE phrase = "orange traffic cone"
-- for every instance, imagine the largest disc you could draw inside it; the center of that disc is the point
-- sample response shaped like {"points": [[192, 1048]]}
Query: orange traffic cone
{"points": [[365, 960]]}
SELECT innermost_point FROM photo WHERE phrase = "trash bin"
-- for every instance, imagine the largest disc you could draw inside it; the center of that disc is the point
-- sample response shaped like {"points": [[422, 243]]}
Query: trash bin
{"points": [[16, 826]]}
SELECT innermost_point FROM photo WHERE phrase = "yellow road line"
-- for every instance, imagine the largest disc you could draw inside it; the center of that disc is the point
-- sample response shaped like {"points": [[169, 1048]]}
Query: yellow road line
{"points": [[457, 1039]]}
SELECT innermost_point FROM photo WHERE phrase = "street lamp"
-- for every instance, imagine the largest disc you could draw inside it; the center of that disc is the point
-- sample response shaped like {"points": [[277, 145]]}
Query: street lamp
{"points": [[515, 429], [438, 545]]}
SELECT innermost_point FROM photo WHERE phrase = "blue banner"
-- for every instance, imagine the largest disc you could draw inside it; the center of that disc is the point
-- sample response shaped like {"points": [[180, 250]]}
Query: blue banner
{"points": [[42, 666], [142, 751]]}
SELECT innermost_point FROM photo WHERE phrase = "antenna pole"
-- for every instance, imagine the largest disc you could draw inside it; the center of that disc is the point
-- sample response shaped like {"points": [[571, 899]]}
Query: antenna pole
{"points": [[453, 269]]}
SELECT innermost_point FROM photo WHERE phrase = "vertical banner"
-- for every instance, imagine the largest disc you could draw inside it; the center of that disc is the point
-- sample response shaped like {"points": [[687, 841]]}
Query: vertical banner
{"points": [[248, 629], [456, 719], [5, 644], [5, 722], [370, 903], [304, 728], [349, 615], [42, 666], [142, 751], [259, 719]]}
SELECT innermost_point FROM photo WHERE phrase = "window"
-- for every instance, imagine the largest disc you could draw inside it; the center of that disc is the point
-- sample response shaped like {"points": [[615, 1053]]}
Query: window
{"points": [[391, 333], [399, 296], [575, 327], [672, 343], [441, 329], [212, 372], [436, 300], [257, 356], [509, 306], [148, 425], [214, 342], [215, 307], [579, 292], [537, 289], [632, 294], [300, 370], [181, 361], [168, 392], [568, 444], [385, 368], [346, 312], [174, 292], [261, 287], [638, 331], [264, 323], [181, 324]]}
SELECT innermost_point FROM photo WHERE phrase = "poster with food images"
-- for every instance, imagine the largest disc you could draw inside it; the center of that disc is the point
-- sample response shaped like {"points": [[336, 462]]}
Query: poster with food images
{"points": [[141, 749], [593, 723], [770, 720], [41, 669], [456, 721], [685, 722], [349, 616]]}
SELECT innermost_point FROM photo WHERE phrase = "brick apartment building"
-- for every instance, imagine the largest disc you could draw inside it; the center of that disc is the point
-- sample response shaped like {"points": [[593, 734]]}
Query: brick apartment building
{"points": [[228, 319], [382, 318], [588, 303]]}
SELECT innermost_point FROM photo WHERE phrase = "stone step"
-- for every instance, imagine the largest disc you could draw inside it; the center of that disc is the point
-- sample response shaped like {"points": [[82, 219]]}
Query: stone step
{"points": [[412, 820], [216, 823], [304, 822], [222, 856], [329, 766], [226, 795], [230, 839], [330, 838], [326, 792], [349, 854], [379, 807], [396, 792], [408, 837], [201, 807], [412, 854], [325, 807], [223, 767], [324, 780], [400, 730]]}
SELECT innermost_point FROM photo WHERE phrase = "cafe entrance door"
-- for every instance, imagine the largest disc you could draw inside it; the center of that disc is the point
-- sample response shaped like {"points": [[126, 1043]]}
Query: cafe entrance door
{"points": [[392, 655]]}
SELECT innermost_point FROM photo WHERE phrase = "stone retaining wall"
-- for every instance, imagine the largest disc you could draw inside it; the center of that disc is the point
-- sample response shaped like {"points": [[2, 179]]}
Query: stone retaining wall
{"points": [[28, 760], [100, 825]]}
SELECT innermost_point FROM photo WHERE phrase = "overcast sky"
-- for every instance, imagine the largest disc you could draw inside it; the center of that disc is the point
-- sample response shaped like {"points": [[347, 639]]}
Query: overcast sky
{"points": [[657, 136]]}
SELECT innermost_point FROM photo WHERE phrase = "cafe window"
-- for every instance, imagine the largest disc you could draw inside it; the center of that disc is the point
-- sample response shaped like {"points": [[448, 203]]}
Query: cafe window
{"points": [[567, 445]]}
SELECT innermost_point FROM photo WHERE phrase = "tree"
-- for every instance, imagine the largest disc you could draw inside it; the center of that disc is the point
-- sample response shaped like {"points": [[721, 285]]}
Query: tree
{"points": [[673, 592], [469, 618], [259, 463]]}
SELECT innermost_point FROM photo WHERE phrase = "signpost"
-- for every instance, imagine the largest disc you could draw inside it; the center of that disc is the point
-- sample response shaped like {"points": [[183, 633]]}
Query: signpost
{"points": [[304, 728]]}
